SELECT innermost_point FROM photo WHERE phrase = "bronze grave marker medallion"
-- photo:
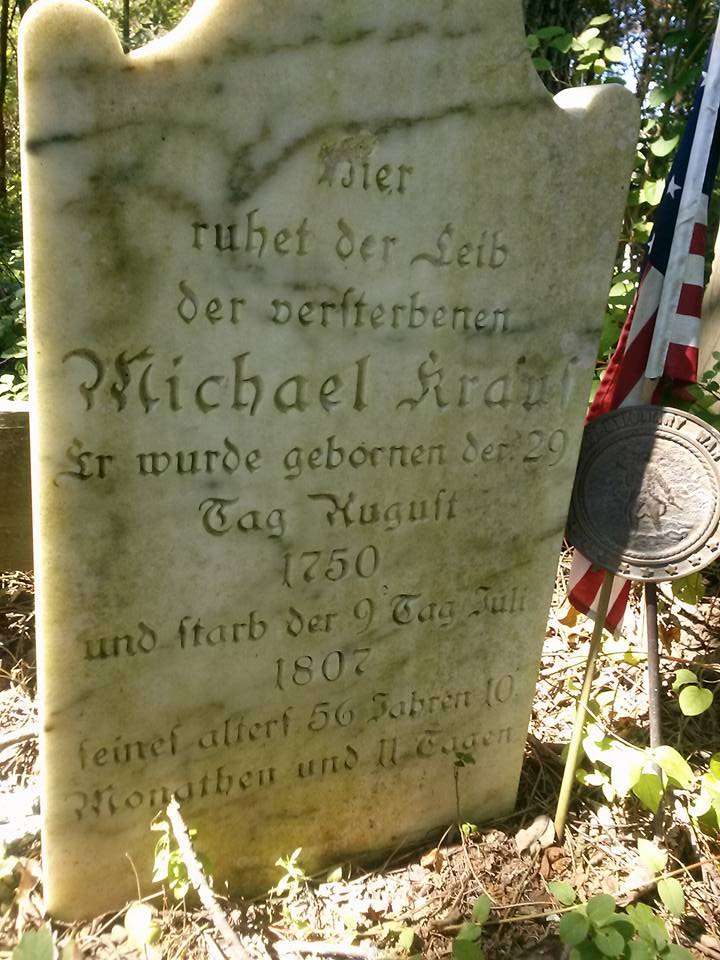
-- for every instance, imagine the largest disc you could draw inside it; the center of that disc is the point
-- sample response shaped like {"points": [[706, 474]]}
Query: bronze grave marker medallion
{"points": [[646, 501]]}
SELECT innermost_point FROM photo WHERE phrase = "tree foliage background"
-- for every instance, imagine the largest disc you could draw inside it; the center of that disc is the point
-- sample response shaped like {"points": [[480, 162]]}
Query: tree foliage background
{"points": [[657, 47]]}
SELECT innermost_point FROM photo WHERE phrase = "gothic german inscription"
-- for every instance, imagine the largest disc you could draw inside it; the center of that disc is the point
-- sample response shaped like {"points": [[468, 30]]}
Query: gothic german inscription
{"points": [[314, 295]]}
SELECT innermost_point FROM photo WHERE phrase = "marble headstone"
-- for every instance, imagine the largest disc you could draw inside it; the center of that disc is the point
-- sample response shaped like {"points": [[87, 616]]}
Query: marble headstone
{"points": [[315, 293], [16, 552]]}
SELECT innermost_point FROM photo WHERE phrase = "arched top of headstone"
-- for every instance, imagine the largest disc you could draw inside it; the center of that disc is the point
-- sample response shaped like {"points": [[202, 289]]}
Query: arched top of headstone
{"points": [[433, 55]]}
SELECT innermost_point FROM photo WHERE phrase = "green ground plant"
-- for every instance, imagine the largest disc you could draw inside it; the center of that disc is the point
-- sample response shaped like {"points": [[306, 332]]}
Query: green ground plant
{"points": [[168, 866], [596, 929]]}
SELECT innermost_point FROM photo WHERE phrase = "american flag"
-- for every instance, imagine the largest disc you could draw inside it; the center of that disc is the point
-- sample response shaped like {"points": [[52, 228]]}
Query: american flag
{"points": [[658, 345]]}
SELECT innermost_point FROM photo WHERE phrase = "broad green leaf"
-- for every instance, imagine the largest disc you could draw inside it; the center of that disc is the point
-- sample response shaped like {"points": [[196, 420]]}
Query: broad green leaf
{"points": [[609, 792], [611, 329], [652, 856], [613, 54], [649, 926], [714, 766], [682, 677], [587, 35], [469, 931], [562, 892], [466, 950], [622, 288], [695, 700], [674, 766], [640, 916], [481, 909], [625, 768], [141, 924], [658, 96], [609, 942], [640, 950], [661, 147], [586, 951], [649, 790], [676, 952], [689, 589], [35, 945], [542, 63], [595, 778], [596, 743], [563, 43], [574, 928], [671, 894], [658, 933], [548, 33], [675, 36], [701, 806], [599, 65], [600, 909], [406, 939], [601, 19], [532, 41], [652, 191], [624, 927]]}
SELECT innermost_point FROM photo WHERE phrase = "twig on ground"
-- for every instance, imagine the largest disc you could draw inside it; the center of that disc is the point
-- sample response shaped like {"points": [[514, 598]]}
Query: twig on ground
{"points": [[10, 737], [708, 946], [322, 949], [621, 893], [235, 949]]}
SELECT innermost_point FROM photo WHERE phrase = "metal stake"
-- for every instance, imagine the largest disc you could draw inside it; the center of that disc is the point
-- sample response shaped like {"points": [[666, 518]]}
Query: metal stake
{"points": [[653, 664], [576, 740], [653, 688]]}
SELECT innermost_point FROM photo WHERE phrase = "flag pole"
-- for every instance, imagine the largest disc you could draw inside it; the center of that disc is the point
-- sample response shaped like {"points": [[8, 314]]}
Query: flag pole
{"points": [[652, 669], [571, 764], [653, 664]]}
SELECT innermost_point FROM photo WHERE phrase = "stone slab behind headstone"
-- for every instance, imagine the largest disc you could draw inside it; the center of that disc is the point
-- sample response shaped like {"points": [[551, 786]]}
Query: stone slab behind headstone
{"points": [[16, 550], [354, 256]]}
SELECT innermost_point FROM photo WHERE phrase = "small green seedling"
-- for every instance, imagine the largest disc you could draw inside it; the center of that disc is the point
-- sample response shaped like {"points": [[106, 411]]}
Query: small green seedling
{"points": [[693, 697], [466, 945]]}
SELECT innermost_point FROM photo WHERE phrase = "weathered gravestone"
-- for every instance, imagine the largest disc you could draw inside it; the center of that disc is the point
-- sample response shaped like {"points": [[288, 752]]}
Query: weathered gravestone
{"points": [[315, 291], [16, 552]]}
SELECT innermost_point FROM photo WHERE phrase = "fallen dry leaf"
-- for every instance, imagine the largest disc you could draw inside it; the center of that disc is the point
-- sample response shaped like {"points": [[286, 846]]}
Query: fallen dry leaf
{"points": [[71, 951], [30, 909], [668, 635], [569, 615], [433, 860], [554, 861], [539, 835]]}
